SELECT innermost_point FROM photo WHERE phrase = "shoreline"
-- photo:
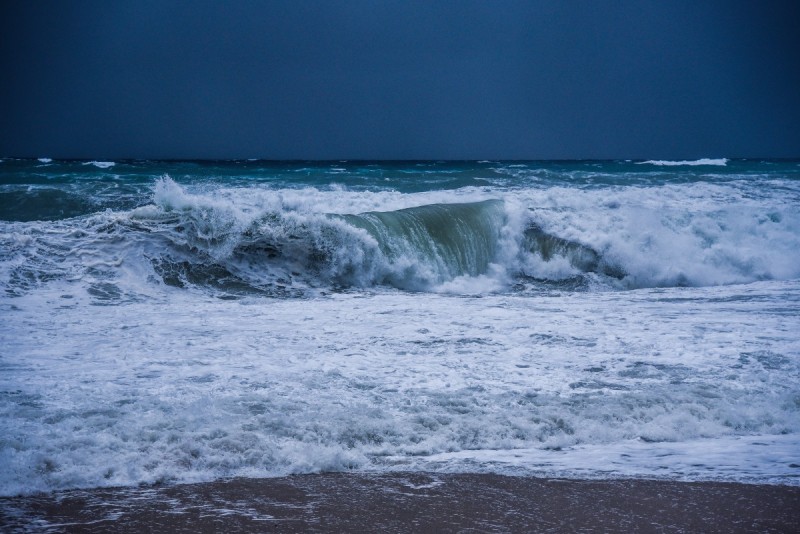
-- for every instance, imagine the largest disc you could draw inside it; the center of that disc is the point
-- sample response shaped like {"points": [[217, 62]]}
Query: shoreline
{"points": [[412, 502]]}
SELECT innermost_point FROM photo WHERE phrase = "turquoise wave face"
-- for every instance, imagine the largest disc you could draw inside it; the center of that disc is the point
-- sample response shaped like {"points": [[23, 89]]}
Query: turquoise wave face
{"points": [[449, 240]]}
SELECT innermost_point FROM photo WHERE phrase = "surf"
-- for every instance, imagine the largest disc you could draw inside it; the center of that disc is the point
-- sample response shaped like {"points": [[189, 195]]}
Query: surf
{"points": [[417, 248], [234, 240]]}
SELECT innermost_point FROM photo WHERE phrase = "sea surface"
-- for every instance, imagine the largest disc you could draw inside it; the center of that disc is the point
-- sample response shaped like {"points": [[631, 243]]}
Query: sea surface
{"points": [[194, 321]]}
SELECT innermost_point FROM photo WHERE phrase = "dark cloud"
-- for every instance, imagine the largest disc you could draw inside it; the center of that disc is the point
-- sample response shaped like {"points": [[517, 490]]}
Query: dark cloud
{"points": [[397, 80]]}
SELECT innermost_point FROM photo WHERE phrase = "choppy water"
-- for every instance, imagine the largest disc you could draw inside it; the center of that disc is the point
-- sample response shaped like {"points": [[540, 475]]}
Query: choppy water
{"points": [[186, 321]]}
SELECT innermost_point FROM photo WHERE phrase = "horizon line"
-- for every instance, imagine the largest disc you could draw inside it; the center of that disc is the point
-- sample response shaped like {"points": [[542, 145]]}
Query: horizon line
{"points": [[386, 160]]}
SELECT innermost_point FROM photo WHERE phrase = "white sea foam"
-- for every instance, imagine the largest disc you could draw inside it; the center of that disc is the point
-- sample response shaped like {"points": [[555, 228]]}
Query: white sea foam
{"points": [[762, 459], [691, 234], [45, 160], [188, 389], [704, 161]]}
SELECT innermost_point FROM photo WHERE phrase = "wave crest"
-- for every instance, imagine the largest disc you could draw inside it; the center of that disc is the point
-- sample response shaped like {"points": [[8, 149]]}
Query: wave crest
{"points": [[719, 162]]}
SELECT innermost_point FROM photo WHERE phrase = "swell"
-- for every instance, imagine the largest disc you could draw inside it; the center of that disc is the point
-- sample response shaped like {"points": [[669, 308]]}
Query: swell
{"points": [[43, 204]]}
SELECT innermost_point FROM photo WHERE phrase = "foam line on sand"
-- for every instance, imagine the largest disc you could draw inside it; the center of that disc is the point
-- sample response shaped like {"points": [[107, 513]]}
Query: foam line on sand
{"points": [[412, 502]]}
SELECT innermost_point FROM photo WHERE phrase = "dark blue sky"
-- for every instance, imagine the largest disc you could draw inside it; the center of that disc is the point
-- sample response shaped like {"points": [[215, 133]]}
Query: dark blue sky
{"points": [[400, 79]]}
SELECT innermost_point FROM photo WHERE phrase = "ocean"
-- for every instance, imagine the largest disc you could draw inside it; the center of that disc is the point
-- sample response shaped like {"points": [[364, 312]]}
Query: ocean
{"points": [[180, 322]]}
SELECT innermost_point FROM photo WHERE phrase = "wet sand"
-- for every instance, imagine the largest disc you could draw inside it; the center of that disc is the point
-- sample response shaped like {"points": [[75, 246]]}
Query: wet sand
{"points": [[412, 502]]}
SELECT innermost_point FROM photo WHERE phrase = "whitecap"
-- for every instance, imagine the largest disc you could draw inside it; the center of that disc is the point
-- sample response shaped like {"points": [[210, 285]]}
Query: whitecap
{"points": [[720, 162], [101, 164]]}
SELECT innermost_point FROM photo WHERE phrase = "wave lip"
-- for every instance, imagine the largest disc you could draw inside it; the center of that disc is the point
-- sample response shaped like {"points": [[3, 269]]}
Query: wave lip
{"points": [[719, 162], [443, 241]]}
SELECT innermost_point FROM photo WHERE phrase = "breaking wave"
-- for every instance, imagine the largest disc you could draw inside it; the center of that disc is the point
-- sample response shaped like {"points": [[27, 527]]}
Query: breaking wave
{"points": [[273, 243], [440, 246]]}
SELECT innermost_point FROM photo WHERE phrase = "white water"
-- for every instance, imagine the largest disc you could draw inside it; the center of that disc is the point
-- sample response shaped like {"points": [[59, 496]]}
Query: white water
{"points": [[196, 388]]}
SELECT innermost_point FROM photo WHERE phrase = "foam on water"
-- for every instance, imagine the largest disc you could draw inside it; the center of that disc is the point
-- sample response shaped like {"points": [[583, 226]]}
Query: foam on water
{"points": [[195, 389], [758, 459], [695, 234]]}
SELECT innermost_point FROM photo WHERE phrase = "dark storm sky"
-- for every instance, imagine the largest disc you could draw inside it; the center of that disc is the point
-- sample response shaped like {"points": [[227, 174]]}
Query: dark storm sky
{"points": [[400, 79]]}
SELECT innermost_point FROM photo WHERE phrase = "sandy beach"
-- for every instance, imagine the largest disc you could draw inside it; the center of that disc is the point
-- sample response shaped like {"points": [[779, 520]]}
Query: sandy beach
{"points": [[412, 502]]}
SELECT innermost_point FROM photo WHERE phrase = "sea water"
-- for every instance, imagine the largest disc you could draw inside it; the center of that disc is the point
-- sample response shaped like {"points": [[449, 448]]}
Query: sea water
{"points": [[192, 321]]}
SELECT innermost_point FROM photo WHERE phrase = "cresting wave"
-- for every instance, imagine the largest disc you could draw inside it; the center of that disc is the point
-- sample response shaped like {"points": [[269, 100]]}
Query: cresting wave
{"points": [[478, 246], [279, 240]]}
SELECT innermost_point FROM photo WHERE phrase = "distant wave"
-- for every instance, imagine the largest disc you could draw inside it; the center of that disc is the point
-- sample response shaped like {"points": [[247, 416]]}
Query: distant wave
{"points": [[45, 160], [720, 162], [101, 164]]}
